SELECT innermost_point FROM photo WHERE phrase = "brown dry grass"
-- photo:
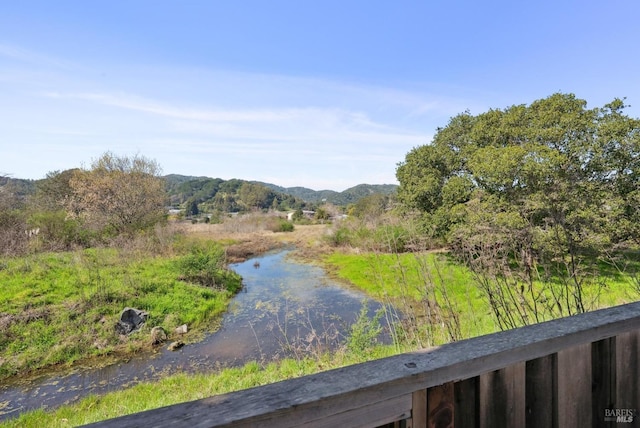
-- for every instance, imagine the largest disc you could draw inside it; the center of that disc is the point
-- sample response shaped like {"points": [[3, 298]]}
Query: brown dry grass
{"points": [[243, 239]]}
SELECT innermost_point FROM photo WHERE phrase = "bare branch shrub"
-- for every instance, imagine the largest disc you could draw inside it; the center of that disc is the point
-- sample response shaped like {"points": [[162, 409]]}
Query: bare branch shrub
{"points": [[14, 235]]}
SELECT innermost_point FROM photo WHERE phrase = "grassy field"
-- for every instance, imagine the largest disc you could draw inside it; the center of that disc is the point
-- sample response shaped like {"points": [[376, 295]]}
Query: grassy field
{"points": [[57, 308], [181, 388], [187, 387], [408, 281]]}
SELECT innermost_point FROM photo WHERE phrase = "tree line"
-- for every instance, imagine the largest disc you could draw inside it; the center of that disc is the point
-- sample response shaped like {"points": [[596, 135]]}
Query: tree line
{"points": [[116, 196], [215, 194]]}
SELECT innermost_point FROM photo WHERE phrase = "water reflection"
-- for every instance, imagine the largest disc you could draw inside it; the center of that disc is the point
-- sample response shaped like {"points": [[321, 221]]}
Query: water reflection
{"points": [[284, 309]]}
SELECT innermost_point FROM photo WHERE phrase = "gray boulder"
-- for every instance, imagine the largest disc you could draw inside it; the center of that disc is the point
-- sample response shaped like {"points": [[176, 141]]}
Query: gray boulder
{"points": [[174, 346], [158, 335], [130, 320]]}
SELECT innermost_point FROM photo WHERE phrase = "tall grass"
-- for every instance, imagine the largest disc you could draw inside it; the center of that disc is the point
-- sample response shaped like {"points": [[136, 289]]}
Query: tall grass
{"points": [[429, 299], [180, 388], [434, 297], [61, 307], [443, 299]]}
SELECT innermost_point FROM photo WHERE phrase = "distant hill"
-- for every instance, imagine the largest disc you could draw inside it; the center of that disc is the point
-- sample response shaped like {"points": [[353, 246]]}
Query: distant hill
{"points": [[182, 187], [18, 186], [239, 195], [227, 195], [346, 197]]}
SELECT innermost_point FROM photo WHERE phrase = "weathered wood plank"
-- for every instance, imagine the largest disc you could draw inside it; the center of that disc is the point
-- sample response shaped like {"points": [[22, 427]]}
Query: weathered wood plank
{"points": [[386, 412], [574, 387], [319, 396], [603, 379], [419, 411], [540, 398], [440, 406], [628, 372], [502, 397], [467, 406]]}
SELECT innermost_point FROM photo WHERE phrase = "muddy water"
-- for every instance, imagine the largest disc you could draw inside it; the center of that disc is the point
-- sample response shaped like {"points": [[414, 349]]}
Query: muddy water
{"points": [[285, 309]]}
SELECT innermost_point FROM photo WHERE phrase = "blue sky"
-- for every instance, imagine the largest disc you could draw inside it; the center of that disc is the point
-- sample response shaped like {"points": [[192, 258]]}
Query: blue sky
{"points": [[325, 94]]}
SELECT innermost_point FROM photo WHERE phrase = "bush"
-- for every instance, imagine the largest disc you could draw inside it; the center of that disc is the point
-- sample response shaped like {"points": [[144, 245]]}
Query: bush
{"points": [[276, 224], [391, 238], [364, 333], [58, 232], [13, 240], [340, 237], [386, 238], [284, 226], [205, 265]]}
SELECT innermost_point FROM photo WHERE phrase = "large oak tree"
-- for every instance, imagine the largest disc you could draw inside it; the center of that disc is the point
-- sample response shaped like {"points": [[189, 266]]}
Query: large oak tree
{"points": [[552, 184]]}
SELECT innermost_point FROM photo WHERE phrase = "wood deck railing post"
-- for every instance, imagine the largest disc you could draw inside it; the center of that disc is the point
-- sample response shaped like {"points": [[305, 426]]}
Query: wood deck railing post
{"points": [[574, 387], [540, 394], [628, 371], [502, 397], [419, 409], [603, 378], [467, 406], [440, 406]]}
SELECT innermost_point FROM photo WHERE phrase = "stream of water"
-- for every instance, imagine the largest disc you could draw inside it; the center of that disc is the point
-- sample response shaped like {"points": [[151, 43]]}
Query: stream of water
{"points": [[285, 308]]}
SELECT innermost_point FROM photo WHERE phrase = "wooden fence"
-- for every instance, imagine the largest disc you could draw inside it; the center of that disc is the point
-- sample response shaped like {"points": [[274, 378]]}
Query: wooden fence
{"points": [[580, 371]]}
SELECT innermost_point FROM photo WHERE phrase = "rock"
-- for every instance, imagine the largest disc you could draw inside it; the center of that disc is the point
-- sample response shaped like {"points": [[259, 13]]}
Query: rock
{"points": [[100, 344], [182, 329], [174, 346], [130, 320], [158, 335]]}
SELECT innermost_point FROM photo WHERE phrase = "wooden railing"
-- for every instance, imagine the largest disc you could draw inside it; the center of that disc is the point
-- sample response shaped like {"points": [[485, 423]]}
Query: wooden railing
{"points": [[579, 371]]}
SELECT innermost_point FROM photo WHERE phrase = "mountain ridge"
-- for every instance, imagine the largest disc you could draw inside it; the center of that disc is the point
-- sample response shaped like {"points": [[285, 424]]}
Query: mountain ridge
{"points": [[347, 196], [178, 187]]}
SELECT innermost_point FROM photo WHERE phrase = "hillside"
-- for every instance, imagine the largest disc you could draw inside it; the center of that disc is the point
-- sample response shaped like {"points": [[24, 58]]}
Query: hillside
{"points": [[237, 195], [346, 197], [204, 189], [17, 186]]}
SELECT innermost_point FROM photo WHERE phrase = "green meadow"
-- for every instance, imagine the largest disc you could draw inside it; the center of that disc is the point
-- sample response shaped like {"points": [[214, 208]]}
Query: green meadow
{"points": [[58, 308], [406, 281], [419, 282]]}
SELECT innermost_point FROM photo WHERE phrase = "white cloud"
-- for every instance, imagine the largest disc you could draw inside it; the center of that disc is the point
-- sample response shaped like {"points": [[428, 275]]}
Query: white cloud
{"points": [[140, 104], [285, 129], [16, 53], [259, 129]]}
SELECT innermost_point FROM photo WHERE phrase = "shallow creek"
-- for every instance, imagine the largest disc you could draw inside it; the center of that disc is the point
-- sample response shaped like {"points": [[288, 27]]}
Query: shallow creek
{"points": [[285, 308]]}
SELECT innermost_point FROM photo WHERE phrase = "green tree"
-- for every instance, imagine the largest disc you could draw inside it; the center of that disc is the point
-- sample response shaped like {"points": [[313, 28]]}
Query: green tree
{"points": [[371, 206], [192, 207], [297, 215], [551, 185], [53, 192], [255, 195], [224, 202], [321, 214]]}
